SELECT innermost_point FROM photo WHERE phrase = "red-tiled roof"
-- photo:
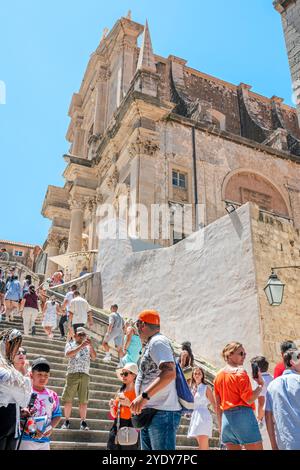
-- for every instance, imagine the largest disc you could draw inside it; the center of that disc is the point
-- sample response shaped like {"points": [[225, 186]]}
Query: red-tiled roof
{"points": [[8, 242]]}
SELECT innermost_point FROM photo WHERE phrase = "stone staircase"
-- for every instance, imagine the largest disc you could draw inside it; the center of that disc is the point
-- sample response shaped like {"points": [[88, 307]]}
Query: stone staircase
{"points": [[103, 386]]}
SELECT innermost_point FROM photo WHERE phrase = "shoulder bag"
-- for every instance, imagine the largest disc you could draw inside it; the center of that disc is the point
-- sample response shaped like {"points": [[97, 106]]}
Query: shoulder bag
{"points": [[125, 436]]}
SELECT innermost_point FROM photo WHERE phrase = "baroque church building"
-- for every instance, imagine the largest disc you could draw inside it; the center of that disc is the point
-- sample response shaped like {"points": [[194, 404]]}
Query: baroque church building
{"points": [[156, 131], [152, 131]]}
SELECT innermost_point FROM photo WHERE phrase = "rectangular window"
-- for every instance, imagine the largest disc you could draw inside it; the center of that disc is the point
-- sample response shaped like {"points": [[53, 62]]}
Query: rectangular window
{"points": [[179, 179], [18, 253]]}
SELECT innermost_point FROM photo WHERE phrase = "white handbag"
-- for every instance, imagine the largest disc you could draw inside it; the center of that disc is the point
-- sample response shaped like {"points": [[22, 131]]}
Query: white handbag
{"points": [[125, 436]]}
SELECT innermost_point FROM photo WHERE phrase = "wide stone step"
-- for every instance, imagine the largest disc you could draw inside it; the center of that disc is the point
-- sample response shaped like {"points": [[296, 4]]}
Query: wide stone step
{"points": [[93, 424], [98, 375], [94, 395], [62, 445], [56, 359], [33, 349], [77, 435], [92, 413], [40, 343], [94, 386]]}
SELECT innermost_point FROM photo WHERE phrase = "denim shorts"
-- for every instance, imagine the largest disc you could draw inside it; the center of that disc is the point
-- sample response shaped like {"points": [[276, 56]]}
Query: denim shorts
{"points": [[240, 427]]}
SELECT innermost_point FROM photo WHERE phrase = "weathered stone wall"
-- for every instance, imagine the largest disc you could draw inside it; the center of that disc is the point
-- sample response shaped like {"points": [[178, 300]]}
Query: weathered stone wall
{"points": [[219, 159], [204, 287], [277, 243]]}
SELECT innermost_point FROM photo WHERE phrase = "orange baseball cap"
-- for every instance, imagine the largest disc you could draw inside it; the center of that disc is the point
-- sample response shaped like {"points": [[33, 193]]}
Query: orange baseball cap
{"points": [[150, 316]]}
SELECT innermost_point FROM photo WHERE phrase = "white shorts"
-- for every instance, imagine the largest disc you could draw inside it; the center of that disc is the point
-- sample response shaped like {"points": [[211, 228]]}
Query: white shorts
{"points": [[29, 445]]}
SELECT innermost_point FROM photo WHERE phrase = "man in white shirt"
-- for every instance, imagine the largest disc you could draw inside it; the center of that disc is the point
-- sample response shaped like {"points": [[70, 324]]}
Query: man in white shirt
{"points": [[80, 312], [155, 386], [66, 307]]}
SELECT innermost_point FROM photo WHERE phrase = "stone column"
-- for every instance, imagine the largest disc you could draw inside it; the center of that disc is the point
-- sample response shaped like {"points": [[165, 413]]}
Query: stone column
{"points": [[52, 250], [76, 227], [100, 106], [78, 138]]}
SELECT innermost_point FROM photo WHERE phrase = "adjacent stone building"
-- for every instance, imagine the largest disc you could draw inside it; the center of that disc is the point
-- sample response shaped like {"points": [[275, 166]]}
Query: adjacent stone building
{"points": [[22, 253]]}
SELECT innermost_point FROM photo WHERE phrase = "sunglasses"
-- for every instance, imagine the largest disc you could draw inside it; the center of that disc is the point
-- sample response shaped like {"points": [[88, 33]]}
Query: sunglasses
{"points": [[21, 351], [125, 374], [243, 354]]}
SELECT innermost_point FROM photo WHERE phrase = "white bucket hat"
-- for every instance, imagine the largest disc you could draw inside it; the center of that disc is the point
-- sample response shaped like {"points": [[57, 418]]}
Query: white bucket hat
{"points": [[130, 367]]}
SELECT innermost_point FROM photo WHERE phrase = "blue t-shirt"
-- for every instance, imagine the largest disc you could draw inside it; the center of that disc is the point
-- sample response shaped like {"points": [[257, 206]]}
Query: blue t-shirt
{"points": [[283, 400]]}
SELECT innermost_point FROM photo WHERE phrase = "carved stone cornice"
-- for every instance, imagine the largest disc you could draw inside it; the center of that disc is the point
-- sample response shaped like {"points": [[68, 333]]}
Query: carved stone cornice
{"points": [[77, 204], [143, 147]]}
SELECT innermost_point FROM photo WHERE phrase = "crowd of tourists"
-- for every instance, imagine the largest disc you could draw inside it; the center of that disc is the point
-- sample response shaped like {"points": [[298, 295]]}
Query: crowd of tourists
{"points": [[252, 411]]}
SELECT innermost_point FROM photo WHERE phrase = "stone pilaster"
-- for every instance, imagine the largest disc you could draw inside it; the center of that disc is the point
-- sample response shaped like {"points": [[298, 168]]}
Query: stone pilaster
{"points": [[76, 228], [100, 106], [52, 250], [78, 140]]}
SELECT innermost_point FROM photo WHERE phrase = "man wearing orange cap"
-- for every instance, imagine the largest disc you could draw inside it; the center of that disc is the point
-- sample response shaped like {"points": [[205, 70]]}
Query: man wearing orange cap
{"points": [[155, 386]]}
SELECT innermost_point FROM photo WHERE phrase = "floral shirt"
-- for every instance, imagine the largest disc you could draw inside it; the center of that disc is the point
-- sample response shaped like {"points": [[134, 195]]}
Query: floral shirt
{"points": [[79, 363], [46, 407]]}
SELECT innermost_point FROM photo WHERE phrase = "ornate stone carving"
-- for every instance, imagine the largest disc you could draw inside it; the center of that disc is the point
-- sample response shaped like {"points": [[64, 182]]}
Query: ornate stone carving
{"points": [[113, 179], [54, 239], [146, 147], [76, 203], [103, 74], [99, 196]]}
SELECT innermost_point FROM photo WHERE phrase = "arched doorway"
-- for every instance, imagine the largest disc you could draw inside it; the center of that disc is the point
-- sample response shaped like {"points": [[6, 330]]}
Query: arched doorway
{"points": [[246, 186]]}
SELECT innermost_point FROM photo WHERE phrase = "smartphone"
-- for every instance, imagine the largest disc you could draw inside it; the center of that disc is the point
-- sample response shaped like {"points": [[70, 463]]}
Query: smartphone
{"points": [[255, 370]]}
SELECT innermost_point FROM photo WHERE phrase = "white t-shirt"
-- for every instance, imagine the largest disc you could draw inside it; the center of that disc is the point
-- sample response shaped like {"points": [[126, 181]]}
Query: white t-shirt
{"points": [[69, 297], [157, 351], [267, 378], [80, 308]]}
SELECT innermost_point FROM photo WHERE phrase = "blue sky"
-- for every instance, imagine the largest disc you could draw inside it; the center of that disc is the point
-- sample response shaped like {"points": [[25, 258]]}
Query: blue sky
{"points": [[44, 49]]}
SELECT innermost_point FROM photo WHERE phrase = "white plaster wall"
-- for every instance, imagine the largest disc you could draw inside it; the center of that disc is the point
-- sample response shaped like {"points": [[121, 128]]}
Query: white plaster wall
{"points": [[204, 287]]}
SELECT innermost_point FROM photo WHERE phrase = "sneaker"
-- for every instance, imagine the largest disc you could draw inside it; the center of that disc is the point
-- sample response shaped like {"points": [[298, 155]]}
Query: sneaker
{"points": [[107, 358], [84, 426], [66, 425]]}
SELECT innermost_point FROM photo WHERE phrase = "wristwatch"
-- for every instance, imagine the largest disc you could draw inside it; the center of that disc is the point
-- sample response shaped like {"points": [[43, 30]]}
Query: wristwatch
{"points": [[145, 396]]}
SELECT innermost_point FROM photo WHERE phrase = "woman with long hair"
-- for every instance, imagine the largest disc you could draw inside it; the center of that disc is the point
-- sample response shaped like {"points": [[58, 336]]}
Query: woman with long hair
{"points": [[201, 425], [132, 343], [121, 404], [15, 389], [186, 361], [235, 401]]}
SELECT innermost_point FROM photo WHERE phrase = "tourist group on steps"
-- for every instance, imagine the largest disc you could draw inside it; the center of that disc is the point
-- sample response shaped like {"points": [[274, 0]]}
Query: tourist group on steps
{"points": [[260, 411]]}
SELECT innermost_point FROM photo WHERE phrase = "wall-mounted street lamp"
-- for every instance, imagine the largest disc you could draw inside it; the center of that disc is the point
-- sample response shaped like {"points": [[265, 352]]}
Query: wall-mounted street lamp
{"points": [[229, 208], [275, 288]]}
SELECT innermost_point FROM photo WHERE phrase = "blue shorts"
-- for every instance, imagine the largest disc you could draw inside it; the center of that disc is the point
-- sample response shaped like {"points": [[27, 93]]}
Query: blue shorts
{"points": [[240, 427]]}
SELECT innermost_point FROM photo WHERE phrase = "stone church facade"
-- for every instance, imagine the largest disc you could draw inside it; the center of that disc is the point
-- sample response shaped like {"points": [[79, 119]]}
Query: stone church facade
{"points": [[155, 131]]}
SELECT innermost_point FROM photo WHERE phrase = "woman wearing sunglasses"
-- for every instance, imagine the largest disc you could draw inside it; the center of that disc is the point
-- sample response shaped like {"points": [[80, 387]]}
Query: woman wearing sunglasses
{"points": [[20, 362], [235, 401], [123, 401]]}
